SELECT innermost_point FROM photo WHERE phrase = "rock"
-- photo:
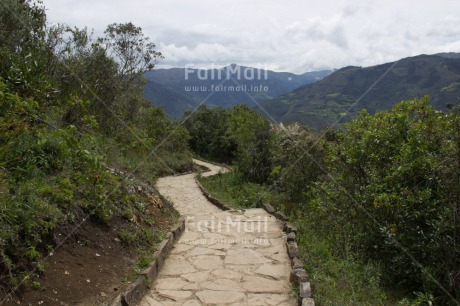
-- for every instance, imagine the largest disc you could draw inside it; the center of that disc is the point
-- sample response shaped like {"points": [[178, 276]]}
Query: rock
{"points": [[289, 228], [268, 208], [298, 276], [245, 257], [297, 263], [207, 262], [220, 297], [274, 271], [308, 302], [291, 236], [135, 292], [175, 295], [196, 277], [177, 267], [151, 272], [158, 258], [163, 246], [280, 216], [177, 230], [172, 283], [169, 243], [257, 284], [305, 290], [263, 299], [221, 285], [293, 249]]}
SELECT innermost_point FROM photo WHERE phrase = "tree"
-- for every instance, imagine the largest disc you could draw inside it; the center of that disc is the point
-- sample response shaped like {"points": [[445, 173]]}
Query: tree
{"points": [[133, 51], [208, 132], [254, 139]]}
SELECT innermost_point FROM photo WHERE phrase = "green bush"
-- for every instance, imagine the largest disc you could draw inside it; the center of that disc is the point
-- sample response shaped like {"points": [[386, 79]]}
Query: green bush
{"points": [[393, 195], [298, 159]]}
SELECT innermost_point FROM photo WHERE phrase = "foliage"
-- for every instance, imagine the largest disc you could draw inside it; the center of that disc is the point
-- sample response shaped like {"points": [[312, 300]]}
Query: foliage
{"points": [[393, 197], [238, 135], [252, 134], [68, 112], [133, 51], [208, 132], [298, 161], [376, 204]]}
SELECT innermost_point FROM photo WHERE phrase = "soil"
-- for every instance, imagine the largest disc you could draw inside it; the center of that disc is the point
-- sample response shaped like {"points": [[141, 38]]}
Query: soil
{"points": [[93, 268]]}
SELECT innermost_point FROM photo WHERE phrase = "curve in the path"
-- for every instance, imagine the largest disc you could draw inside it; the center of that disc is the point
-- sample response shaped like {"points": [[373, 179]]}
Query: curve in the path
{"points": [[223, 257]]}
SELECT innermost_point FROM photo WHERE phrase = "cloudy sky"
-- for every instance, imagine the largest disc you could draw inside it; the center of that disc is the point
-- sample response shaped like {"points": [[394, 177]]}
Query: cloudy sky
{"points": [[290, 35]]}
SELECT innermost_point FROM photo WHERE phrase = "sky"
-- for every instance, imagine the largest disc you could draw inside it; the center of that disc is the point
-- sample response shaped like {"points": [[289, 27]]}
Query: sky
{"points": [[291, 35]]}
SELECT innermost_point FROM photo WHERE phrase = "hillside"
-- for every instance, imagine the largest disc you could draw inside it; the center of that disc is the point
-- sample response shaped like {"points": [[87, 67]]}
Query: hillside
{"points": [[334, 98], [76, 164], [181, 89]]}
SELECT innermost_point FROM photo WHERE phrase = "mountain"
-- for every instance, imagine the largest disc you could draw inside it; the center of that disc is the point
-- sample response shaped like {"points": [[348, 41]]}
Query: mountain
{"points": [[181, 89], [449, 55], [341, 95]]}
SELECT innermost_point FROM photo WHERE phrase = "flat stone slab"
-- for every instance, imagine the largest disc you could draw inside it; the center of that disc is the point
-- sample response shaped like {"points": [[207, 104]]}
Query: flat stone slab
{"points": [[259, 284], [245, 257], [275, 271], [177, 267], [223, 257], [175, 295], [209, 297], [269, 299]]}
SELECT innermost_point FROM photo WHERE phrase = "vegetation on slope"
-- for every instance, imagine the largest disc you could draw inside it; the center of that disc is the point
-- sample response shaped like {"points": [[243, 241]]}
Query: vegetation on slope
{"points": [[376, 203], [340, 96], [70, 107]]}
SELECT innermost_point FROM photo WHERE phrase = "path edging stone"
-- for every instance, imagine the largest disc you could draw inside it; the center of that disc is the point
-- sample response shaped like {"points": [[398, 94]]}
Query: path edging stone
{"points": [[135, 292], [299, 276]]}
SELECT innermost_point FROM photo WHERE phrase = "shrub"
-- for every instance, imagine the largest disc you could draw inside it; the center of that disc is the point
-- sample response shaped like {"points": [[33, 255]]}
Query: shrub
{"points": [[392, 195]]}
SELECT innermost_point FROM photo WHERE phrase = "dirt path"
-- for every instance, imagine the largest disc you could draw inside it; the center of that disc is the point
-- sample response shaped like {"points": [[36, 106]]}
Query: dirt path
{"points": [[223, 257]]}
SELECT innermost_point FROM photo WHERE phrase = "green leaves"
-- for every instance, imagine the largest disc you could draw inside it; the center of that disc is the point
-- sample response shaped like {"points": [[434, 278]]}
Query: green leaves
{"points": [[131, 49], [391, 183]]}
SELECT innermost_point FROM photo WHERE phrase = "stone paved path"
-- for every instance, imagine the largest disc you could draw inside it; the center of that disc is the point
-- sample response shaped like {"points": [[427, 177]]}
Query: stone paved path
{"points": [[223, 257]]}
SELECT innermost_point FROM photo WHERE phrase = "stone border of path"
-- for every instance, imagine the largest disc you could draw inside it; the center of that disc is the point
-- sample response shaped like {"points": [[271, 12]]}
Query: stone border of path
{"points": [[299, 276], [136, 291]]}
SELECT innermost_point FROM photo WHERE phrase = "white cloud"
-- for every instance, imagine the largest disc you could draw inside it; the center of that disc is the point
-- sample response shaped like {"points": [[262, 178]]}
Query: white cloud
{"points": [[295, 36]]}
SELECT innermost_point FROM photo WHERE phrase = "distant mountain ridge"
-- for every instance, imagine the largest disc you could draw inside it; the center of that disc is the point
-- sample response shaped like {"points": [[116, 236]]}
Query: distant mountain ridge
{"points": [[181, 89], [334, 98]]}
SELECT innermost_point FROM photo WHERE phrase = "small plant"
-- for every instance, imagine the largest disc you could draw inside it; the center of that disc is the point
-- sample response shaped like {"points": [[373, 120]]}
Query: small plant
{"points": [[127, 237]]}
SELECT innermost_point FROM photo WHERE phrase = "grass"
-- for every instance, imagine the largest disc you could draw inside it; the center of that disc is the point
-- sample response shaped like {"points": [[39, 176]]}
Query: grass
{"points": [[232, 189], [336, 280]]}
